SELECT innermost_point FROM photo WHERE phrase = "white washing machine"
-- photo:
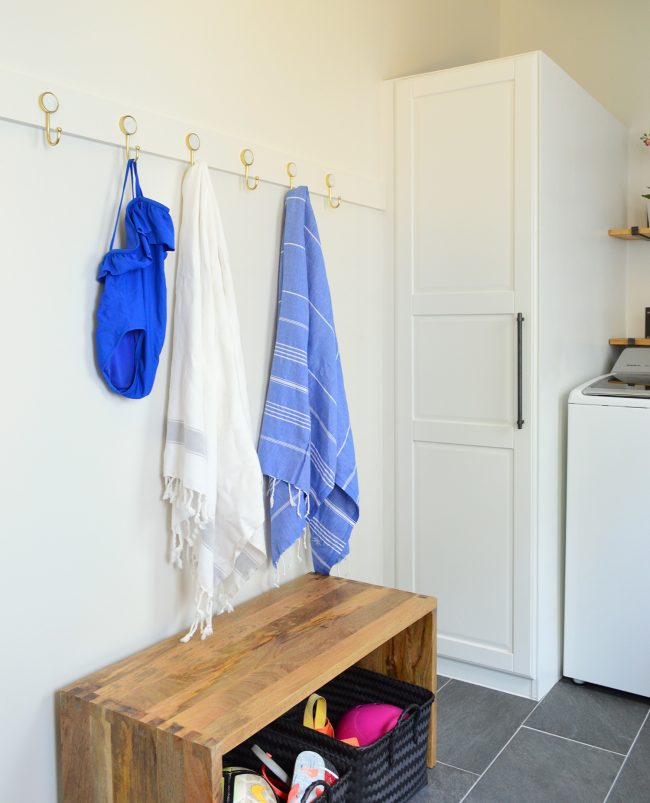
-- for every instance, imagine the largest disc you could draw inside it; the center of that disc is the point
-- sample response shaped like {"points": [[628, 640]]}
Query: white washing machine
{"points": [[607, 587]]}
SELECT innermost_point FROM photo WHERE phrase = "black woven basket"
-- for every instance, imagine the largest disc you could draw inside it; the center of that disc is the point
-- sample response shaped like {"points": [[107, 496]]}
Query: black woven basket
{"points": [[284, 747], [392, 769]]}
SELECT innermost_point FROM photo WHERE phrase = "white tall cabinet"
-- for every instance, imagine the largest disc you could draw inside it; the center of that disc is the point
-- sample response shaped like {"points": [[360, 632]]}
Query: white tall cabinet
{"points": [[507, 177]]}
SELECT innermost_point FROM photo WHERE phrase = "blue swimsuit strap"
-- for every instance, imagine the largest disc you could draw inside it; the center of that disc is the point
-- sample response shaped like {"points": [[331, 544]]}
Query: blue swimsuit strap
{"points": [[136, 192]]}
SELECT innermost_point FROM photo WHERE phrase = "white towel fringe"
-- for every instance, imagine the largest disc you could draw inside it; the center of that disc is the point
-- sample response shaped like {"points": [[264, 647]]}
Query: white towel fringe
{"points": [[280, 569], [203, 618], [300, 497], [297, 497], [302, 544], [224, 605], [273, 481], [185, 536]]}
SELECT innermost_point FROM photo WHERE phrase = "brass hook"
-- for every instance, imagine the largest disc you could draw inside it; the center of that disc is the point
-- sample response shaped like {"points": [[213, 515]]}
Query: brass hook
{"points": [[49, 103], [247, 160], [128, 126], [193, 143], [292, 172], [330, 180]]}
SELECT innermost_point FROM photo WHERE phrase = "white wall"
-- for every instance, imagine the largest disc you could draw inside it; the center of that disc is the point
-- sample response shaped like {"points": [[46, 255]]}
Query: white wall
{"points": [[604, 46], [289, 73], [84, 532]]}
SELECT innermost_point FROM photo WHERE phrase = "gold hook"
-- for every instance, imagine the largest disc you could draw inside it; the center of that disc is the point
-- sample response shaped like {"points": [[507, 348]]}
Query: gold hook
{"points": [[193, 143], [330, 180], [247, 160], [132, 128], [292, 172], [45, 100]]}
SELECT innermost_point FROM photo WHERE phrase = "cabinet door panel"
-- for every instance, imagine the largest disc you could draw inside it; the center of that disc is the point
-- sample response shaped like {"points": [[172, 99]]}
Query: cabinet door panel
{"points": [[465, 141], [461, 545], [459, 194], [464, 368]]}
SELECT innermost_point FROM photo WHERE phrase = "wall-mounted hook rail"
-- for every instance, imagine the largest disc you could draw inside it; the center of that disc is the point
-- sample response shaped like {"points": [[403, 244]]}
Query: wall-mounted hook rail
{"points": [[193, 142], [330, 180], [292, 172], [49, 103], [247, 159], [128, 126]]}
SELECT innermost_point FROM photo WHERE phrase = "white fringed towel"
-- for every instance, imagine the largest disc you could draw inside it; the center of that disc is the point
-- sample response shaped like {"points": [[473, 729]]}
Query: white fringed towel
{"points": [[212, 473]]}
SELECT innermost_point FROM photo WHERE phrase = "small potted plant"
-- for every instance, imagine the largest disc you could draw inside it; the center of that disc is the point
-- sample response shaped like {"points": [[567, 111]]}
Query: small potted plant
{"points": [[647, 206]]}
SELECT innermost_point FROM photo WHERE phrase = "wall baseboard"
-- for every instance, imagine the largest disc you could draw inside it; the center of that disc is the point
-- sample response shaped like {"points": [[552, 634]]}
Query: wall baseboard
{"points": [[491, 678]]}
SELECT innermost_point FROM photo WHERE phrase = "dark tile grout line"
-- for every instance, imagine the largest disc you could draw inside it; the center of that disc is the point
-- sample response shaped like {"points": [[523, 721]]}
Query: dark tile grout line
{"points": [[627, 755], [526, 718], [454, 767], [575, 741]]}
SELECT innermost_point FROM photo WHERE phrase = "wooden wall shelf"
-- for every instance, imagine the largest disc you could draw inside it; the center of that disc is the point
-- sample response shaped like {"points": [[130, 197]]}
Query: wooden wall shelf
{"points": [[154, 726], [633, 233], [629, 341]]}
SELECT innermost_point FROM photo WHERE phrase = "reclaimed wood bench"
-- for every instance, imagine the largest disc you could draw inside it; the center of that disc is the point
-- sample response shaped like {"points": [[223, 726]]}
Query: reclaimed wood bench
{"points": [[153, 728]]}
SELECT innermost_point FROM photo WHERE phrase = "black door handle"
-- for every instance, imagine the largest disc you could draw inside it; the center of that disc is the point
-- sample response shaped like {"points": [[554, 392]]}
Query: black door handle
{"points": [[520, 404]]}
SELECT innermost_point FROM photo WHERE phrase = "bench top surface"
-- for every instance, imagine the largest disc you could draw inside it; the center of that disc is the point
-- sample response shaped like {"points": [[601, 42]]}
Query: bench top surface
{"points": [[268, 655]]}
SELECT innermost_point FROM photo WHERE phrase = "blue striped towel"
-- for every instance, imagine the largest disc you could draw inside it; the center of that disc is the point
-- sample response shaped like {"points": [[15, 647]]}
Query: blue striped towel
{"points": [[306, 447]]}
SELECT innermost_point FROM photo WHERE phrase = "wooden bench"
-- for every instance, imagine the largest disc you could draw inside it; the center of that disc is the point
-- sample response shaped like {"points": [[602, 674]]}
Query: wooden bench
{"points": [[153, 728]]}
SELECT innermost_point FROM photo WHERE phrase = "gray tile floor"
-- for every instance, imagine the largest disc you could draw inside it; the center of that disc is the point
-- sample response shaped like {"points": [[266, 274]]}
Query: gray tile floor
{"points": [[580, 744]]}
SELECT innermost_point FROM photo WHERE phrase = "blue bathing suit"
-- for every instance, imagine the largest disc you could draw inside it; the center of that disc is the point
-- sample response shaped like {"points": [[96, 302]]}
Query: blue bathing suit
{"points": [[132, 312]]}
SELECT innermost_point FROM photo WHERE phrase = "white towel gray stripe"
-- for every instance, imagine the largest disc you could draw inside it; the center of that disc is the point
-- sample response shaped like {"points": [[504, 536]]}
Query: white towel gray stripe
{"points": [[244, 563], [193, 440]]}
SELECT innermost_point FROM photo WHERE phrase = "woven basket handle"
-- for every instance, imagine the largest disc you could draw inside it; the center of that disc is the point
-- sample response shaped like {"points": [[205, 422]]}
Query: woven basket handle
{"points": [[312, 787], [411, 712]]}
